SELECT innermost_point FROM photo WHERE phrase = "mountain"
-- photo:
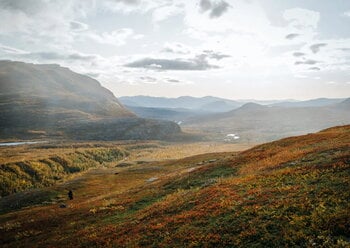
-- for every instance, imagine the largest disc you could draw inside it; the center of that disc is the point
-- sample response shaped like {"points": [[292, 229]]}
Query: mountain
{"points": [[345, 105], [50, 99], [265, 102], [172, 114], [204, 104], [56, 88], [259, 123], [249, 107], [219, 106], [319, 102]]}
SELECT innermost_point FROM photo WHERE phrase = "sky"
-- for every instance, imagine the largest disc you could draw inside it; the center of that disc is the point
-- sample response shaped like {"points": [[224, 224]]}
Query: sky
{"points": [[236, 49]]}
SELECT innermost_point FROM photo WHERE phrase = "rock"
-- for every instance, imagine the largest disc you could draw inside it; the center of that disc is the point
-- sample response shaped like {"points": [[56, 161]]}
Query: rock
{"points": [[191, 169], [212, 160], [152, 179]]}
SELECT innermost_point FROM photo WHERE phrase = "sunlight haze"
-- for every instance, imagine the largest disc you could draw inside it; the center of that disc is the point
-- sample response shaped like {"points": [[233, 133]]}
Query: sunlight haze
{"points": [[237, 49]]}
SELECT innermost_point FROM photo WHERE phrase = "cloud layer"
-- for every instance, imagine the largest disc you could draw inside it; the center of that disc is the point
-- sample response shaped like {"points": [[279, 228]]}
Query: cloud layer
{"points": [[233, 43], [215, 8], [196, 64]]}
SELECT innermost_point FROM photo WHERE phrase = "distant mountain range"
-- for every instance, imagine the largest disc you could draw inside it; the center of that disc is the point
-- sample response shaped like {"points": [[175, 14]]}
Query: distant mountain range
{"points": [[217, 104], [49, 100], [206, 104], [183, 108], [259, 123], [319, 102]]}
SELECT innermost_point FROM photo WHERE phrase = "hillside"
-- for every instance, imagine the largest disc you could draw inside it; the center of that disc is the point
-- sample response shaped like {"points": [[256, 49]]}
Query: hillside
{"points": [[343, 105], [49, 101], [51, 164], [172, 114], [260, 123], [289, 193]]}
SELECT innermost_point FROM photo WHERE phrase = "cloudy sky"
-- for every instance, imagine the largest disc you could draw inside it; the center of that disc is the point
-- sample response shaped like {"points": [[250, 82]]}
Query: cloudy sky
{"points": [[238, 49]]}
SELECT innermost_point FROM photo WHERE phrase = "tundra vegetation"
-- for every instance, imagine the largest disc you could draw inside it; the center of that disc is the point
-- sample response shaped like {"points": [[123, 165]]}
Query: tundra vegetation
{"points": [[288, 193]]}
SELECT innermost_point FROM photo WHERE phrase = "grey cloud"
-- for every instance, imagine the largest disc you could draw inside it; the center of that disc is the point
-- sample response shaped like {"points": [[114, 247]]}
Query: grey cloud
{"points": [[219, 9], [214, 55], [153, 80], [315, 68], [128, 2], [196, 64], [29, 7], [216, 9], [205, 5], [169, 50], [78, 26], [149, 79], [315, 48], [298, 54], [291, 36], [344, 49], [306, 62], [171, 80], [79, 56], [59, 56]]}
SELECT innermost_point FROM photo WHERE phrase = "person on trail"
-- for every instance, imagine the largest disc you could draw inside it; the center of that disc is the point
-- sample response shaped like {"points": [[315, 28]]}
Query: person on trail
{"points": [[70, 195]]}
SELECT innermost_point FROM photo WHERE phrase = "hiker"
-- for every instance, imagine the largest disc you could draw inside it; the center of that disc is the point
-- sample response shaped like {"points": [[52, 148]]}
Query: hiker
{"points": [[70, 195]]}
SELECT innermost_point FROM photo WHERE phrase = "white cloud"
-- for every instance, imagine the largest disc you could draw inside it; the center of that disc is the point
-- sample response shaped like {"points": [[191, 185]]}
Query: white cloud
{"points": [[176, 47], [128, 6], [10, 50], [302, 20], [164, 12], [116, 37], [347, 13]]}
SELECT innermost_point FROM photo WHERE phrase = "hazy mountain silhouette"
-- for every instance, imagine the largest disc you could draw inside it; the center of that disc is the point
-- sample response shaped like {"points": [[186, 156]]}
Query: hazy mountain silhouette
{"points": [[207, 104], [210, 104], [254, 122], [319, 102], [345, 105], [173, 114], [53, 99]]}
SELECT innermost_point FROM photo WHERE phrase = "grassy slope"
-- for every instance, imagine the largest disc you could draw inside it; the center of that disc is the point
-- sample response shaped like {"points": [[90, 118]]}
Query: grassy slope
{"points": [[292, 192], [21, 171]]}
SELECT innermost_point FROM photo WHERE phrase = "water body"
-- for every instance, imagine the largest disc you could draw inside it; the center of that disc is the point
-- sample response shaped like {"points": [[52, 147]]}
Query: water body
{"points": [[21, 143]]}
